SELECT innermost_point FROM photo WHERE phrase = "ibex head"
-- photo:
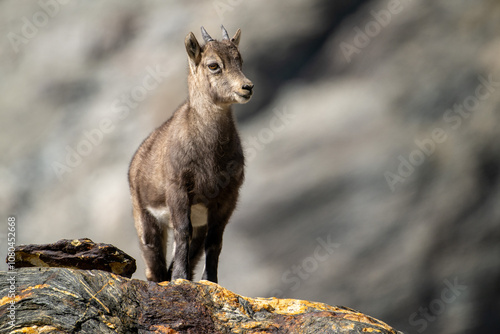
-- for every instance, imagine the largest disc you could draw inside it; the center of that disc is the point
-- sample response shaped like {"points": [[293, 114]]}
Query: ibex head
{"points": [[215, 69]]}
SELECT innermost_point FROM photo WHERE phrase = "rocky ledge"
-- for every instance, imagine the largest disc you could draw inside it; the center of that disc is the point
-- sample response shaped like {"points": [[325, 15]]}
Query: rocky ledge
{"points": [[67, 300]]}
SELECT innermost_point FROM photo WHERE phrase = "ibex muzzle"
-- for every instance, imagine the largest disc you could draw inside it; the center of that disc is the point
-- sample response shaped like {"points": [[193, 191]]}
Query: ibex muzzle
{"points": [[186, 175]]}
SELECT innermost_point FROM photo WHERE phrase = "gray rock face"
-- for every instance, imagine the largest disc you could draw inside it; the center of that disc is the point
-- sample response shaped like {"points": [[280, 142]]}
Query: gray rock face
{"points": [[372, 143]]}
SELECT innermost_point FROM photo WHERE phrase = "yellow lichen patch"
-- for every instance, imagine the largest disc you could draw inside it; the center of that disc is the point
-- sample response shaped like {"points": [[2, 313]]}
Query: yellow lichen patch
{"points": [[355, 317], [22, 294], [209, 283], [65, 292], [228, 299], [371, 330], [256, 324], [222, 295], [162, 329], [287, 306], [117, 278], [38, 286], [37, 330], [76, 242], [178, 281], [276, 305], [348, 325], [107, 323], [7, 300]]}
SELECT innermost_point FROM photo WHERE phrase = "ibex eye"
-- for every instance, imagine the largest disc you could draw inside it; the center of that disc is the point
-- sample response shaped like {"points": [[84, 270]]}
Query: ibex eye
{"points": [[213, 66]]}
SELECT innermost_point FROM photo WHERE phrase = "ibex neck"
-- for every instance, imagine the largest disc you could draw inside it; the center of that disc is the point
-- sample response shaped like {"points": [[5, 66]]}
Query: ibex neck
{"points": [[205, 108], [212, 124]]}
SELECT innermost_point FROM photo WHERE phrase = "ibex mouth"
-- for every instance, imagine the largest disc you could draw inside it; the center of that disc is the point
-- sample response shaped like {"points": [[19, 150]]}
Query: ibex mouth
{"points": [[245, 96], [242, 98]]}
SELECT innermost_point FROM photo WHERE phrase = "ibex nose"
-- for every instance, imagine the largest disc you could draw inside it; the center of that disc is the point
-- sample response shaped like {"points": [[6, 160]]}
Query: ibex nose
{"points": [[248, 86]]}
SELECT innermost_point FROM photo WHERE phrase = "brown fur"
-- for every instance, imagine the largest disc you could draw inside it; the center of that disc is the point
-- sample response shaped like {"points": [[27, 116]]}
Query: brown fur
{"points": [[188, 172]]}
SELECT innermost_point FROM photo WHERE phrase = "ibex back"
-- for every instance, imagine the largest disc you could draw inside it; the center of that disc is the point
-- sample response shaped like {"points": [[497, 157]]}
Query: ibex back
{"points": [[186, 175]]}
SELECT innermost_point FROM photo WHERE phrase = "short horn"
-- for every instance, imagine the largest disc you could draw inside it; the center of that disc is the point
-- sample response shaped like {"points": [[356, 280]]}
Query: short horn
{"points": [[224, 33], [205, 35]]}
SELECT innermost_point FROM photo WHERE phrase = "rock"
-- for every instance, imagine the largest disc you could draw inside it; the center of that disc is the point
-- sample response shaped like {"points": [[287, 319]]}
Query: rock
{"points": [[76, 254], [62, 300]]}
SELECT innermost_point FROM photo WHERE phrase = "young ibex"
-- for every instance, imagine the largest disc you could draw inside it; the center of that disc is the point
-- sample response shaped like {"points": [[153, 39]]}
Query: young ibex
{"points": [[186, 175]]}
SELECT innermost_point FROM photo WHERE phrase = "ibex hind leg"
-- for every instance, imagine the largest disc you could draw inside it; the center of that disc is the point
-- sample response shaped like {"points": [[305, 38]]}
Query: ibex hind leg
{"points": [[152, 237]]}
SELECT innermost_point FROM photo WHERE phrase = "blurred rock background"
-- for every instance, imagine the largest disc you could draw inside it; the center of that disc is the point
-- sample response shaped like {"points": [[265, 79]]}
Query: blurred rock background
{"points": [[373, 143]]}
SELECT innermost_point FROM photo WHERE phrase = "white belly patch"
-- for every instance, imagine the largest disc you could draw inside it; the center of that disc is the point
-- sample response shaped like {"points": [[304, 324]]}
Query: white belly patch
{"points": [[198, 215]]}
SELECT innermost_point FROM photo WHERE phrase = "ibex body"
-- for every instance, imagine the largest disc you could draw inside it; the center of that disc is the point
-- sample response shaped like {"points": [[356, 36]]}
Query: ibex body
{"points": [[186, 175]]}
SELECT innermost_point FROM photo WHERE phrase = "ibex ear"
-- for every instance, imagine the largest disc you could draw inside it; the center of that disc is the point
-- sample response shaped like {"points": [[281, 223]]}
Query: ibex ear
{"points": [[193, 49], [236, 37]]}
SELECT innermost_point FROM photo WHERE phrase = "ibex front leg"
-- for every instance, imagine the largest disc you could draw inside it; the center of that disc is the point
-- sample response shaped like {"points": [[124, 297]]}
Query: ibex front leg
{"points": [[213, 244], [180, 215]]}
